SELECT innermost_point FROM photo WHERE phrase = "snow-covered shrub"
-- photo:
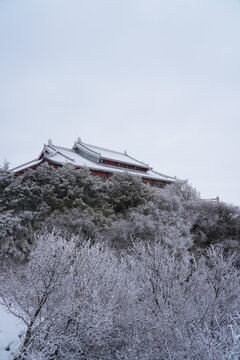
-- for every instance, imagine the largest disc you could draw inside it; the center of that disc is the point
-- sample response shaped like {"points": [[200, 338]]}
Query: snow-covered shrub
{"points": [[183, 190], [153, 300], [185, 302], [33, 196], [84, 301], [161, 217], [6, 178], [127, 191], [48, 189], [15, 235], [122, 209], [213, 222], [76, 222], [71, 298]]}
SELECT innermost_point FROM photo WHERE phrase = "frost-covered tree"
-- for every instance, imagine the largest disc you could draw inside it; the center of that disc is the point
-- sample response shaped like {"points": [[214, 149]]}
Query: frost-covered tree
{"points": [[184, 190], [74, 202], [70, 298], [214, 223], [84, 301], [6, 178], [186, 303], [39, 194], [127, 191]]}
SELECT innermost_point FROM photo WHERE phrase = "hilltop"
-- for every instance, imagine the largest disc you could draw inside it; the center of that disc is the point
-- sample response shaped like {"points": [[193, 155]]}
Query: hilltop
{"points": [[118, 269]]}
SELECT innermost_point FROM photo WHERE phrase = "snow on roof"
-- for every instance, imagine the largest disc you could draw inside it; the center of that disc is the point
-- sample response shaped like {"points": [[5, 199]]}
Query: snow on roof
{"points": [[60, 155], [115, 155], [27, 165], [66, 156]]}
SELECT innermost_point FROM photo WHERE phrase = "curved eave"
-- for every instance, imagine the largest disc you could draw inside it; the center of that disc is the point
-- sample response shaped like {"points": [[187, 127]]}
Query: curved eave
{"points": [[28, 165]]}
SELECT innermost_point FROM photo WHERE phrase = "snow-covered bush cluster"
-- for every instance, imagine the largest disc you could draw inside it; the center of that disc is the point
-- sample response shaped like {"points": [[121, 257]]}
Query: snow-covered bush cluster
{"points": [[72, 202], [118, 269], [87, 301]]}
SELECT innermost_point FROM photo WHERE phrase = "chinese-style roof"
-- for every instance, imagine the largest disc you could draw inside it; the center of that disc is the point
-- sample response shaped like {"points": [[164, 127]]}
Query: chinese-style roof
{"points": [[118, 156], [83, 155]]}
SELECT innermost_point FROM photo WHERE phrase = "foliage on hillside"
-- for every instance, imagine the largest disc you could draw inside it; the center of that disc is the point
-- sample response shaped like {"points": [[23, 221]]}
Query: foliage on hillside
{"points": [[72, 202], [118, 270], [154, 303]]}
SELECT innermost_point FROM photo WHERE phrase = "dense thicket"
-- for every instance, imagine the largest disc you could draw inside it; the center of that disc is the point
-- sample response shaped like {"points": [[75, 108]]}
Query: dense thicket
{"points": [[72, 202], [118, 269], [155, 303]]}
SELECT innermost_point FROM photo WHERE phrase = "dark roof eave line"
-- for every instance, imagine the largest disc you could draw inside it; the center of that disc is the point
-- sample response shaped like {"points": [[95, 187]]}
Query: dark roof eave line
{"points": [[121, 168]]}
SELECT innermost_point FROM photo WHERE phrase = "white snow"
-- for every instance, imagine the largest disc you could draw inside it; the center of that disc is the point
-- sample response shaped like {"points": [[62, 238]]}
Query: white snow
{"points": [[10, 328], [60, 155], [69, 156], [26, 165], [115, 155]]}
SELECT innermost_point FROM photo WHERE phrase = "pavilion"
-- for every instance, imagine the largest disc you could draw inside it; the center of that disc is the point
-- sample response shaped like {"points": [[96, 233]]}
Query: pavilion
{"points": [[100, 162]]}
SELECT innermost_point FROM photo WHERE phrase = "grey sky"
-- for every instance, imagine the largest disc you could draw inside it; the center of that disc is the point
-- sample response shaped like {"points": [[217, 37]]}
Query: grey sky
{"points": [[158, 78]]}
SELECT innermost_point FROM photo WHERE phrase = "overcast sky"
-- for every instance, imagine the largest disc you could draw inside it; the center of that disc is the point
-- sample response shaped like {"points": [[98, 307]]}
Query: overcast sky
{"points": [[159, 78]]}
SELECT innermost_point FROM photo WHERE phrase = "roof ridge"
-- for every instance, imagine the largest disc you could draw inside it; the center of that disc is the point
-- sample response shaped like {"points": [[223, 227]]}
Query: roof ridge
{"points": [[101, 148], [52, 147], [60, 147], [84, 145], [120, 153], [141, 162]]}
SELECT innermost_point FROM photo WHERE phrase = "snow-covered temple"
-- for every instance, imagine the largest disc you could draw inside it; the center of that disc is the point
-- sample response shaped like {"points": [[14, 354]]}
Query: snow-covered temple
{"points": [[99, 161]]}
